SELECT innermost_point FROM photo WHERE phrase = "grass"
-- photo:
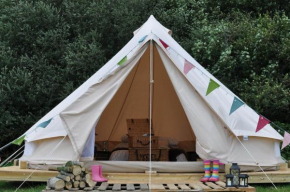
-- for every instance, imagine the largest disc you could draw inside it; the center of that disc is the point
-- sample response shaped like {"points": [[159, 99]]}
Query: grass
{"points": [[26, 187], [269, 187], [38, 187]]}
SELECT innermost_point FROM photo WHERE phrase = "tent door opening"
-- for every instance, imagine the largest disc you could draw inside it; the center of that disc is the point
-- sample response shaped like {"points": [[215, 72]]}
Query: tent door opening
{"points": [[146, 93]]}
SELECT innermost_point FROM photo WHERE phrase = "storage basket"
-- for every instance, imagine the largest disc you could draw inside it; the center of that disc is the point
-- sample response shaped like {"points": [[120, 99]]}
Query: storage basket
{"points": [[143, 142], [138, 127], [143, 154]]}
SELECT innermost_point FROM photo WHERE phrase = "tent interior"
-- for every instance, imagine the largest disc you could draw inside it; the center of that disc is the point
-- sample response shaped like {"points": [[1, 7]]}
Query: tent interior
{"points": [[132, 101]]}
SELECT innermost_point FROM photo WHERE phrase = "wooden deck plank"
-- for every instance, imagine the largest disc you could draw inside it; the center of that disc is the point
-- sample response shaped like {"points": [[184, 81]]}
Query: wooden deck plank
{"points": [[220, 183], [130, 187], [172, 186], [103, 187], [213, 185], [117, 187], [144, 187], [195, 186], [156, 186], [203, 186], [184, 187]]}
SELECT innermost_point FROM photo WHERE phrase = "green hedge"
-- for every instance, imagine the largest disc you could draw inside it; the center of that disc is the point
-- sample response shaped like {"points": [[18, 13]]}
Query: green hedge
{"points": [[49, 48]]}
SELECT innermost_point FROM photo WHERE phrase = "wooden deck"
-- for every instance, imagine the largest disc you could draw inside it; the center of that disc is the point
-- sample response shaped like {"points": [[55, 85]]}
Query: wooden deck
{"points": [[192, 186], [14, 173]]}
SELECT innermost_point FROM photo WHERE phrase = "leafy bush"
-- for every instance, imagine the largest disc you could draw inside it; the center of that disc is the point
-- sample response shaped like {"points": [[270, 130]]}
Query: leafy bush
{"points": [[48, 48]]}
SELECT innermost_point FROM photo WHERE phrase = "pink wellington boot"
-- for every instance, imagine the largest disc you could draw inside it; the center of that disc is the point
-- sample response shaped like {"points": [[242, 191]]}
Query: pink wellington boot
{"points": [[97, 174], [101, 173]]}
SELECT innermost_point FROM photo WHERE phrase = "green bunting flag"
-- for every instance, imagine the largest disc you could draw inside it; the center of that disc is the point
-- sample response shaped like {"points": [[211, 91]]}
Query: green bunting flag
{"points": [[44, 124], [211, 86], [123, 60], [18, 141], [236, 104]]}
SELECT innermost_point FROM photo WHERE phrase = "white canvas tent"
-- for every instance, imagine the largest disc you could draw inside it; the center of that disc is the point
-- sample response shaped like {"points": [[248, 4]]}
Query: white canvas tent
{"points": [[98, 109]]}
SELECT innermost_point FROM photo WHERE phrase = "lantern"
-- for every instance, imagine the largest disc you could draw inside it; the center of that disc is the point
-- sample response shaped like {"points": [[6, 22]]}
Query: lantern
{"points": [[229, 180], [243, 180], [235, 171]]}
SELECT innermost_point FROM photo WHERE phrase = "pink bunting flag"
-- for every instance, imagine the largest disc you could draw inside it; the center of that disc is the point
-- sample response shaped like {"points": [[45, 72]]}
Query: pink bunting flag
{"points": [[164, 44], [286, 140], [262, 123], [187, 66]]}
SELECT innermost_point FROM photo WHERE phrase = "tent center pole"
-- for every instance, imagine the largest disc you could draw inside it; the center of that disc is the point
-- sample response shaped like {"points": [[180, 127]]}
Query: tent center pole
{"points": [[150, 109]]}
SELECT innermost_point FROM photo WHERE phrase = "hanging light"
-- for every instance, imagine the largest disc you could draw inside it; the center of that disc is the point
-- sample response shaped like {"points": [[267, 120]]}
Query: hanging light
{"points": [[235, 171], [243, 180], [229, 180]]}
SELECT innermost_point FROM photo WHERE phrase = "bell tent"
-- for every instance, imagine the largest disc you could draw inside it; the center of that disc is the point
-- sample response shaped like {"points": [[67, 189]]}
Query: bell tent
{"points": [[153, 77]]}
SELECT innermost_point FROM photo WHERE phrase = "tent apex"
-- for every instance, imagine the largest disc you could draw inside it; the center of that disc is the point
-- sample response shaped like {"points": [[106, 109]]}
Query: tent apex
{"points": [[152, 17]]}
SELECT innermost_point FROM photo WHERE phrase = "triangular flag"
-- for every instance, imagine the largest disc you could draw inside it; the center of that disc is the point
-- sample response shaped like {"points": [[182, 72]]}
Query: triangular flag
{"points": [[123, 60], [211, 86], [18, 141], [164, 44], [44, 124], [236, 104], [142, 39], [262, 123], [286, 140], [187, 66]]}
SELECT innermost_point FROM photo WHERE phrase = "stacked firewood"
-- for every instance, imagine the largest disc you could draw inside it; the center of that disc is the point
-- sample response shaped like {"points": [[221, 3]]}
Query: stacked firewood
{"points": [[72, 176]]}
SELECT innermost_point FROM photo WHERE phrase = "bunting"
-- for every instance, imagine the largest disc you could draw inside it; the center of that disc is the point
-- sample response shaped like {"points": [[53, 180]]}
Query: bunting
{"points": [[45, 123], [286, 140], [212, 86], [18, 141], [262, 123], [123, 60], [236, 104], [142, 39], [164, 44], [187, 66]]}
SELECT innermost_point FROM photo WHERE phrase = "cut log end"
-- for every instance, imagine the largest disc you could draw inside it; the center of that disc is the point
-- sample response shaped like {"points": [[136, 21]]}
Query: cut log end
{"points": [[68, 185], [55, 183]]}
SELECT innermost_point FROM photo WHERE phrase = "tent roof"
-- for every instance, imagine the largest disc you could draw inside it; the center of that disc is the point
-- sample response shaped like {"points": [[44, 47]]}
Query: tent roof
{"points": [[242, 122]]}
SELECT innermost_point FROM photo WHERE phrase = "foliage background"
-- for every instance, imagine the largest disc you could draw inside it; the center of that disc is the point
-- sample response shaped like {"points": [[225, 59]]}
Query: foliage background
{"points": [[50, 47]]}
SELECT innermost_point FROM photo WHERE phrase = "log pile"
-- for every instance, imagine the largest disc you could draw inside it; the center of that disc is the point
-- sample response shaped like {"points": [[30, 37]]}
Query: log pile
{"points": [[72, 176]]}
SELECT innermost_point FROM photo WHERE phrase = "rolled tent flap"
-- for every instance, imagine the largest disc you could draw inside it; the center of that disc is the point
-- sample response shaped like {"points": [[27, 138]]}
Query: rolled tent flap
{"points": [[80, 117], [53, 129], [89, 149], [57, 150]]}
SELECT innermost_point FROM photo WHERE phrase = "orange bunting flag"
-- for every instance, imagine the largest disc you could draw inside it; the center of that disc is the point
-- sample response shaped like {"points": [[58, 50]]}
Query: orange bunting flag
{"points": [[262, 123], [187, 66], [286, 140]]}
